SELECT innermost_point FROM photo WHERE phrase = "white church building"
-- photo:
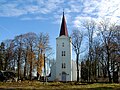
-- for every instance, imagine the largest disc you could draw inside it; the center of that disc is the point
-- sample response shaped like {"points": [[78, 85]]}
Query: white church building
{"points": [[63, 68]]}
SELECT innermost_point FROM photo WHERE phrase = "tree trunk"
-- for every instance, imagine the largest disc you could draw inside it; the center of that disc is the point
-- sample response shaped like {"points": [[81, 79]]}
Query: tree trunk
{"points": [[30, 63], [30, 70], [19, 65], [25, 67], [31, 67], [77, 67], [44, 69], [89, 71], [108, 66], [38, 75]]}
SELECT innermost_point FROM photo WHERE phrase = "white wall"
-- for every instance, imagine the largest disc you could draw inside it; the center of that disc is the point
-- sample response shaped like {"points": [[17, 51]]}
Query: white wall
{"points": [[63, 59], [71, 68]]}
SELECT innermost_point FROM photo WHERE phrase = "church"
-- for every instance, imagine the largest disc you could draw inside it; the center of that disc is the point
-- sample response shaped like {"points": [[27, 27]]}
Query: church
{"points": [[63, 68]]}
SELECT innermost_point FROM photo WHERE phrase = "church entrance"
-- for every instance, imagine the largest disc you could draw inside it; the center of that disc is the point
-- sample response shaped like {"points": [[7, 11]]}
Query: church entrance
{"points": [[63, 76]]}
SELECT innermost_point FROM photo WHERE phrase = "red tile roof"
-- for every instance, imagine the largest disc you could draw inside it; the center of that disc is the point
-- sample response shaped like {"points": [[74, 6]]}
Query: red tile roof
{"points": [[63, 30]]}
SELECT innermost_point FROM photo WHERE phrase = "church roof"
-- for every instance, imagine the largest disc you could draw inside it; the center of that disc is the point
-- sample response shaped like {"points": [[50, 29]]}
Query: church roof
{"points": [[63, 30]]}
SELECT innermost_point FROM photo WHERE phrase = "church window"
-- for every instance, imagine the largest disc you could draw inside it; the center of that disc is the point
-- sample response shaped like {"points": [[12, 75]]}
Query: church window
{"points": [[63, 53], [63, 65], [62, 44]]}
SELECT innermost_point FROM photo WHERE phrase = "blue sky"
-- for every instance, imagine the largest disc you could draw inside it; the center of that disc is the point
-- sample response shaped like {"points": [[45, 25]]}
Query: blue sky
{"points": [[22, 16]]}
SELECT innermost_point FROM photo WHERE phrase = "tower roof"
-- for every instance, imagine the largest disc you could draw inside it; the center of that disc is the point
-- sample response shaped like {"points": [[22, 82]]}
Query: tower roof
{"points": [[63, 30]]}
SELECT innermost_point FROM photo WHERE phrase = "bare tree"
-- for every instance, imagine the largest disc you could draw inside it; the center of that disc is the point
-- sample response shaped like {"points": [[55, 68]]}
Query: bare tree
{"points": [[18, 41], [77, 37], [31, 41], [26, 52], [90, 26], [107, 32], [9, 52]]}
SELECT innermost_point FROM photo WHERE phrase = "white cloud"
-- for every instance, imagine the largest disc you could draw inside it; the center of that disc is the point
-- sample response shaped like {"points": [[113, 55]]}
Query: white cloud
{"points": [[31, 9], [23, 7], [99, 9], [79, 20], [75, 10], [31, 18], [10, 10]]}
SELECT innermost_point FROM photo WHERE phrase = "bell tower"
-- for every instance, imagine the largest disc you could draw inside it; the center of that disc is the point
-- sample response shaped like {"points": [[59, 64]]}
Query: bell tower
{"points": [[63, 54]]}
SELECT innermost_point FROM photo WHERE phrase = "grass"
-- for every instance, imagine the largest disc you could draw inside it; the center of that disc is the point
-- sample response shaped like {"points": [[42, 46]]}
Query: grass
{"points": [[57, 85]]}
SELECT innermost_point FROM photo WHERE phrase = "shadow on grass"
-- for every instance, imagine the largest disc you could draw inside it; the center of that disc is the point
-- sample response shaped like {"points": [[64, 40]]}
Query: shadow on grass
{"points": [[5, 89], [102, 88], [97, 88]]}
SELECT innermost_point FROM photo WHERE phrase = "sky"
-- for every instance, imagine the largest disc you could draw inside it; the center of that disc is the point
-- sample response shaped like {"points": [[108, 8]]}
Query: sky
{"points": [[22, 16]]}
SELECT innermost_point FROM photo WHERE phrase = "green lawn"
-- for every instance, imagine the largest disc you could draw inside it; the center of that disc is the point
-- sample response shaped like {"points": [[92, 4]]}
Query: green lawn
{"points": [[58, 85]]}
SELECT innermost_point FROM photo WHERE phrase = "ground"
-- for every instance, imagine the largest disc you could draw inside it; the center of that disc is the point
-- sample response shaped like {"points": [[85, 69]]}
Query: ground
{"points": [[57, 85]]}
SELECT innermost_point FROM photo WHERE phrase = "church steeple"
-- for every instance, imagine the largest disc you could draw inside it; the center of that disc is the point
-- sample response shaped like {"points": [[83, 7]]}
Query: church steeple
{"points": [[63, 30]]}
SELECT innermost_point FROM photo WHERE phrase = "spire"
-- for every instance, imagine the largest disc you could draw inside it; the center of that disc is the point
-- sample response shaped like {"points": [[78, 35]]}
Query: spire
{"points": [[63, 30]]}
